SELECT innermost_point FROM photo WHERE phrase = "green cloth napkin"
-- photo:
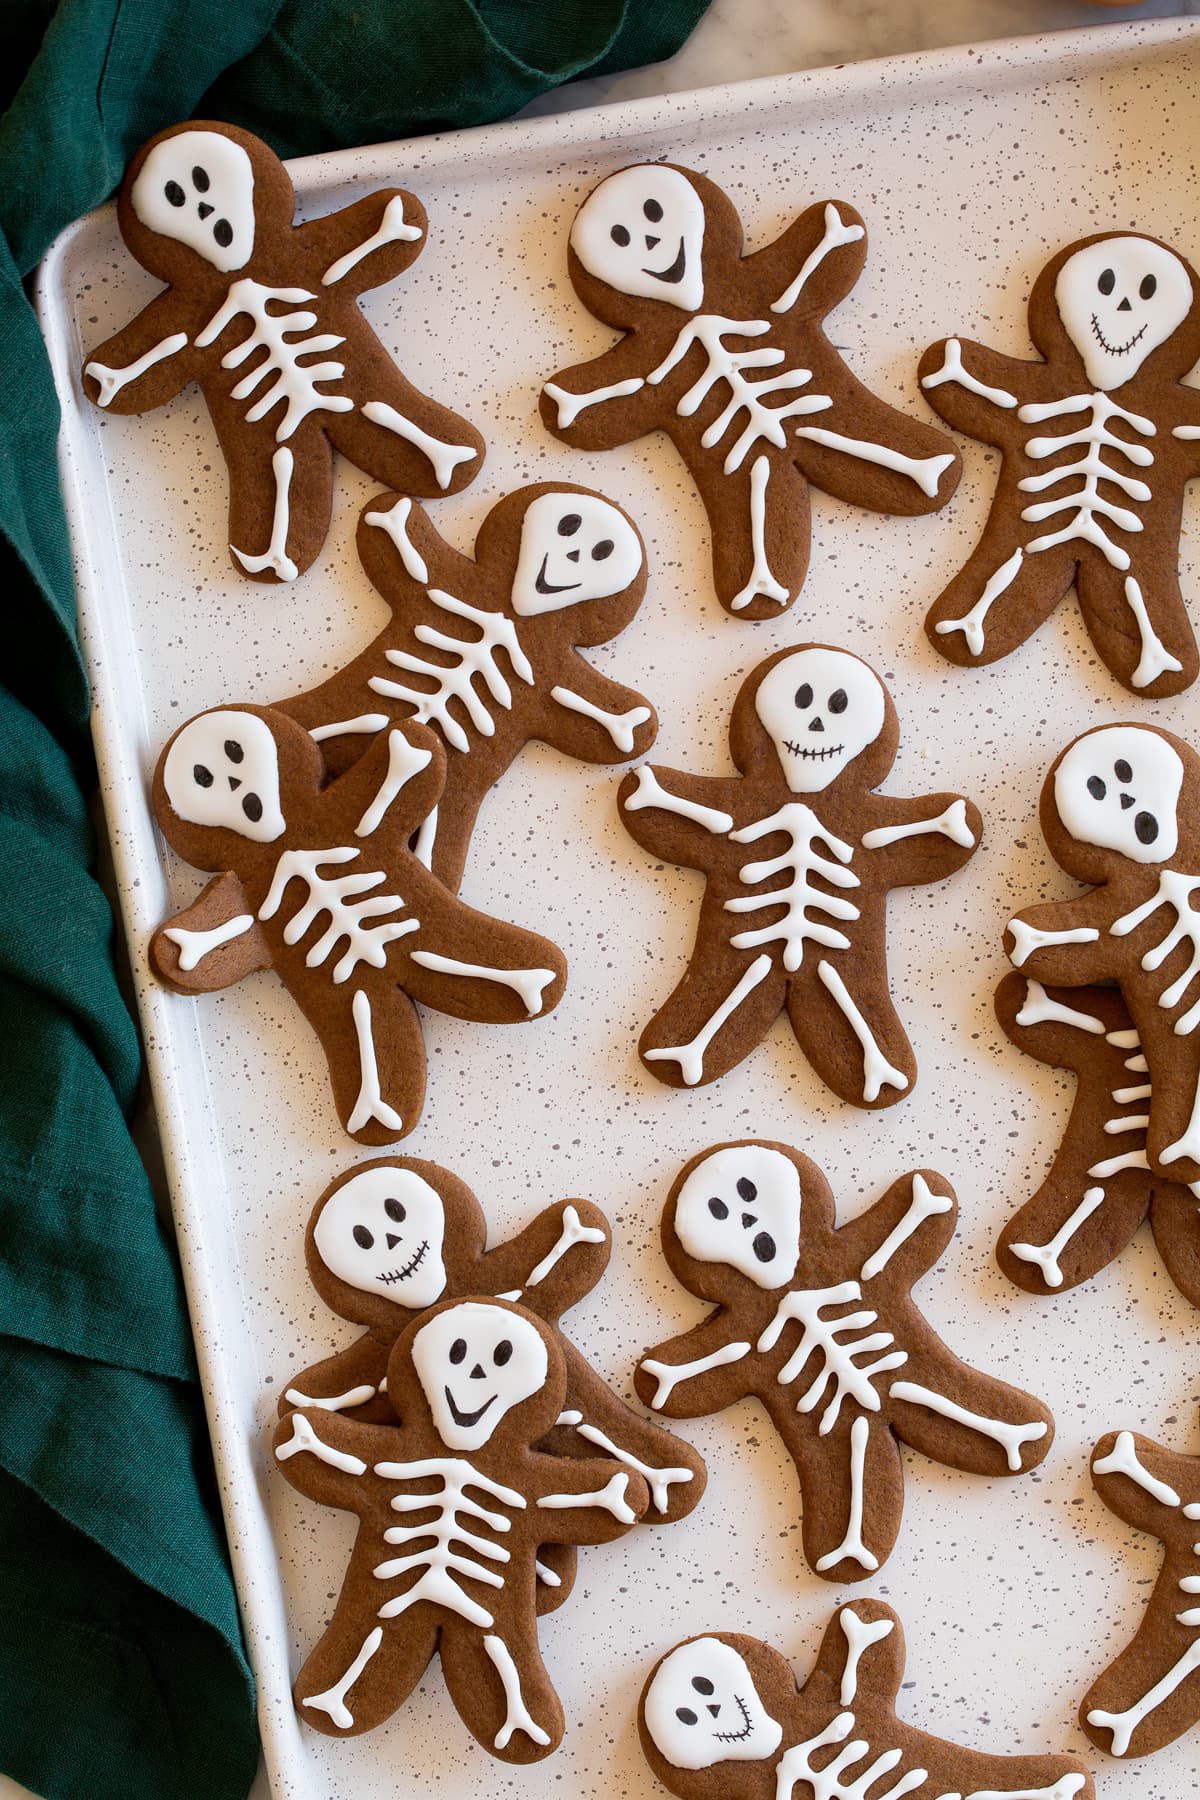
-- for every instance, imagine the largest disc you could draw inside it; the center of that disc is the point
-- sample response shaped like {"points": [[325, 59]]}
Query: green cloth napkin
{"points": [[122, 1670]]}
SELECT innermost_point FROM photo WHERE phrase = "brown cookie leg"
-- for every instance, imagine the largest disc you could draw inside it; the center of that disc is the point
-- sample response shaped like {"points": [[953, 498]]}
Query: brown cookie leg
{"points": [[1074, 1226], [852, 1482], [356, 1678], [999, 598], [844, 1021], [280, 499], [723, 1007], [377, 1063], [502, 1692], [760, 520], [1139, 625]]}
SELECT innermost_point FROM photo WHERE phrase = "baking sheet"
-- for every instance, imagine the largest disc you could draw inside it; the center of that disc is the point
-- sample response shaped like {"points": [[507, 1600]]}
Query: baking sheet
{"points": [[970, 167]]}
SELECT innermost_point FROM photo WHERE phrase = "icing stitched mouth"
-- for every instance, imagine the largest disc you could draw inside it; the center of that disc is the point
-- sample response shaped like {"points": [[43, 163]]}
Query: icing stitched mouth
{"points": [[811, 752], [735, 1737], [542, 586], [1117, 349], [466, 1419], [391, 1275], [675, 272]]}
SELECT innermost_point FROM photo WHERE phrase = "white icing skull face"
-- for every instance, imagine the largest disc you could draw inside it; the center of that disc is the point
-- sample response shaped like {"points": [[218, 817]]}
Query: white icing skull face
{"points": [[475, 1363], [820, 708], [1119, 789], [574, 547], [1119, 300], [382, 1232], [198, 189], [702, 1708], [741, 1206], [223, 769], [642, 232]]}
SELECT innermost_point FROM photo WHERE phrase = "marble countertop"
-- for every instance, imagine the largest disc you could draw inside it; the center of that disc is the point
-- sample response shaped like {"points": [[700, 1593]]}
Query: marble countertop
{"points": [[741, 39]]}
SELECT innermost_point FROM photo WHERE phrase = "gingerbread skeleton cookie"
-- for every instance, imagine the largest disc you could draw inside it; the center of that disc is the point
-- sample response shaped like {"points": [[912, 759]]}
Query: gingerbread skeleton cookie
{"points": [[486, 651], [1098, 443], [818, 1323], [391, 1238], [722, 1716], [1100, 1186], [263, 314], [799, 854], [1151, 1694], [1121, 810], [727, 354], [454, 1502], [320, 884]]}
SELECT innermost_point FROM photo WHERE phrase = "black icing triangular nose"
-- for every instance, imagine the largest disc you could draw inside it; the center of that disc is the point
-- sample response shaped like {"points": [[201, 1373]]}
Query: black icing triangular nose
{"points": [[650, 242], [1125, 306], [477, 1373], [572, 556], [1127, 800], [204, 209], [714, 1710], [235, 782], [392, 1239], [816, 724], [748, 1219]]}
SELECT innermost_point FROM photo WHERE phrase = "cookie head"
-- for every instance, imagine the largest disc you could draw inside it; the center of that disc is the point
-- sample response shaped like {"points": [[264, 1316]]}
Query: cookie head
{"points": [[382, 1232], [641, 232], [701, 1707], [476, 1361], [1119, 299], [1118, 789], [574, 547], [821, 709], [740, 1207], [222, 770], [196, 188]]}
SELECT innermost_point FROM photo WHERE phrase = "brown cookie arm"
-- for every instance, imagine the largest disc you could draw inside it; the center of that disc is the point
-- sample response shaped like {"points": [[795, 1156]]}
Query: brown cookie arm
{"points": [[366, 244], [859, 1657], [608, 401], [351, 1378], [676, 816], [584, 1501], [904, 1233], [977, 390], [914, 841], [595, 719], [1151, 1694], [1145, 1484], [958, 1416], [1067, 1029], [391, 790], [330, 1458], [554, 1262], [1064, 941], [404, 554], [698, 1372], [212, 943], [870, 454], [673, 1471], [814, 263], [144, 365]]}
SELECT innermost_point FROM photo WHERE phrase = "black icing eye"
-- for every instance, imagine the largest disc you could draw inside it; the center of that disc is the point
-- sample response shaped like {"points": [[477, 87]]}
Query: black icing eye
{"points": [[1146, 827], [653, 211], [201, 776], [603, 550], [223, 232], [685, 1715], [804, 695], [718, 1208], [395, 1211], [502, 1353], [1096, 787], [1107, 282], [702, 1684], [458, 1350], [233, 750], [746, 1189], [363, 1238], [252, 807], [569, 524], [1123, 771], [200, 179], [619, 235], [1148, 287], [838, 701], [764, 1246], [174, 193]]}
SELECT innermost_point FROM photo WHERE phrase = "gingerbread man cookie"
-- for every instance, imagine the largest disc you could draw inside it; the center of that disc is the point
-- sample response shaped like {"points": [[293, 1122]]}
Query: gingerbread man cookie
{"points": [[817, 1322], [1151, 1694], [724, 1699], [727, 354], [1100, 1186], [450, 1567], [1121, 810], [799, 919], [320, 884], [389, 1239], [1098, 442], [486, 651], [263, 314]]}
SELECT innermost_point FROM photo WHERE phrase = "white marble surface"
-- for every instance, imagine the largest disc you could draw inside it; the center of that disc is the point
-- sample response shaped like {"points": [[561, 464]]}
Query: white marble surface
{"points": [[741, 39]]}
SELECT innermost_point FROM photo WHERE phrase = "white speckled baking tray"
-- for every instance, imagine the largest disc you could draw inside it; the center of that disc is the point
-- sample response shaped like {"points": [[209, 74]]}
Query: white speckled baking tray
{"points": [[971, 167]]}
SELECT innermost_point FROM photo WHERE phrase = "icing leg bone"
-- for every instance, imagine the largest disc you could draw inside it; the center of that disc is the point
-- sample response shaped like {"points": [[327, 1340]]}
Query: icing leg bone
{"points": [[690, 1056], [1122, 1725], [971, 624], [878, 1072], [333, 1700], [275, 556], [760, 582], [517, 1716], [1046, 1255], [852, 1546], [370, 1104]]}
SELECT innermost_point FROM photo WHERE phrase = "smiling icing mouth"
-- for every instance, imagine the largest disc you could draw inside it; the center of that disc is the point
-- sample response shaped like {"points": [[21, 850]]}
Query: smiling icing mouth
{"points": [[466, 1419], [675, 272], [542, 586], [811, 751], [403, 1274], [1116, 349], [735, 1737]]}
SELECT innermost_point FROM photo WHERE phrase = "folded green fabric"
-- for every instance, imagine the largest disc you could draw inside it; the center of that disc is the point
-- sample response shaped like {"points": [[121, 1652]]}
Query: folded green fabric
{"points": [[122, 1671]]}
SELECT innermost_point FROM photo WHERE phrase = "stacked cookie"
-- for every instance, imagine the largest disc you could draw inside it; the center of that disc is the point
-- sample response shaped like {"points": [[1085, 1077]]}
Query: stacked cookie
{"points": [[477, 1446]]}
